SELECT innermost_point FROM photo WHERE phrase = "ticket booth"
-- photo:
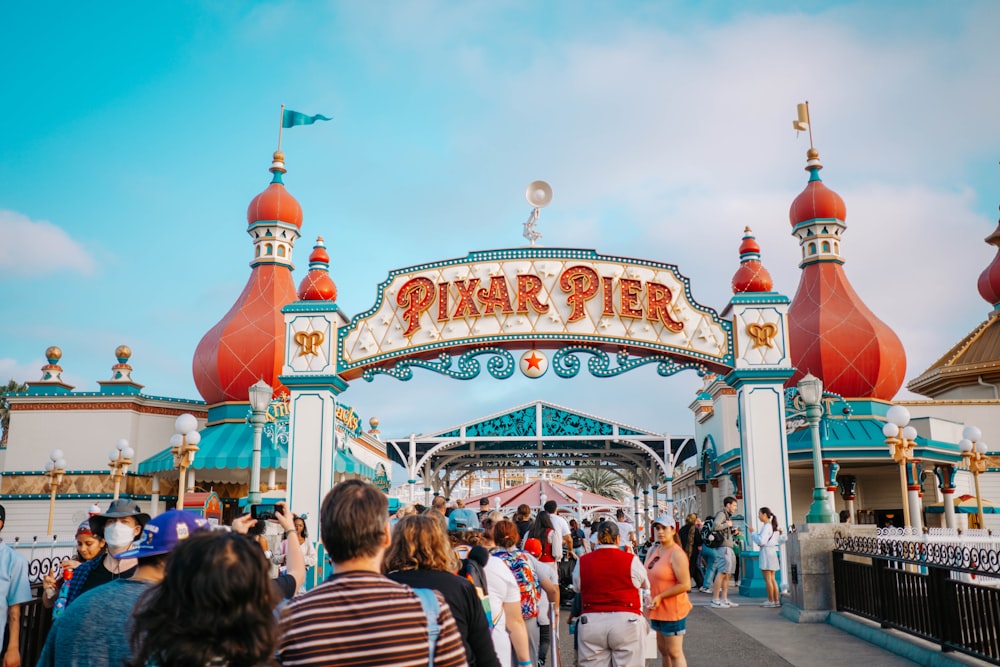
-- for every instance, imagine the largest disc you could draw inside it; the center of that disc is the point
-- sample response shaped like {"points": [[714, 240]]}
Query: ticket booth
{"points": [[205, 504]]}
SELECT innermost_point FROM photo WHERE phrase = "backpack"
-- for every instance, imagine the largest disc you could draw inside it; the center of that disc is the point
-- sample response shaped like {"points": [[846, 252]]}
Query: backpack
{"points": [[474, 572], [531, 590], [710, 537]]}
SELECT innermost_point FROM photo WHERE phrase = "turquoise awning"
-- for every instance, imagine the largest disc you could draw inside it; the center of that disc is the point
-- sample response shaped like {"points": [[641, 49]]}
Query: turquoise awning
{"points": [[223, 446], [345, 461]]}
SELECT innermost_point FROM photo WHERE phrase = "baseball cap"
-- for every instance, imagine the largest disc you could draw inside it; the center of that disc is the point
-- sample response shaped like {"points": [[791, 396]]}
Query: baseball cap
{"points": [[163, 532], [533, 546], [664, 520], [84, 529], [463, 519], [484, 502]]}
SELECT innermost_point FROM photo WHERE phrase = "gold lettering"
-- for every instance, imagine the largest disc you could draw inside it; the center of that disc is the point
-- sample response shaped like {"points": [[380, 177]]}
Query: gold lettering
{"points": [[581, 283], [416, 296]]}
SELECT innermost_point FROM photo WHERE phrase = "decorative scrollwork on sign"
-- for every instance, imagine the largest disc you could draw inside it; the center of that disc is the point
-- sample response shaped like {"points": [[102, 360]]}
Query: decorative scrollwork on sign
{"points": [[566, 364], [501, 365]]}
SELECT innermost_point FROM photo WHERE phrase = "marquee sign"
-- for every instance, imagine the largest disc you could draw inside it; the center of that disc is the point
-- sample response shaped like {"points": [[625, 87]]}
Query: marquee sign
{"points": [[574, 301]]}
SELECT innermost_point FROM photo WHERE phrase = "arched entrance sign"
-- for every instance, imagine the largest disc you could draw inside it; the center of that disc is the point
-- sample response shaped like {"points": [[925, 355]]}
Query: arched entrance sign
{"points": [[566, 300]]}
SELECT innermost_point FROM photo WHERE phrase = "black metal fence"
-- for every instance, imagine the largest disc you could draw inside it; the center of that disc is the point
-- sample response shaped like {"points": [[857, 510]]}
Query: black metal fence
{"points": [[926, 589]]}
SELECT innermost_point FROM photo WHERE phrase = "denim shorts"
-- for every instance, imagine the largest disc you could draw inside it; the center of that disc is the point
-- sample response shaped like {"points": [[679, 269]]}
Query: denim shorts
{"points": [[669, 628]]}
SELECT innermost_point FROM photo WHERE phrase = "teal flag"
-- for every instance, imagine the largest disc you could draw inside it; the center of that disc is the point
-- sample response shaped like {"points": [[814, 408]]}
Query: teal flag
{"points": [[293, 118]]}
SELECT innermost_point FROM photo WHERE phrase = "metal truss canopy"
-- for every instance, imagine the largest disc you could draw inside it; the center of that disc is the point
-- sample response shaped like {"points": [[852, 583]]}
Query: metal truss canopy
{"points": [[539, 435]]}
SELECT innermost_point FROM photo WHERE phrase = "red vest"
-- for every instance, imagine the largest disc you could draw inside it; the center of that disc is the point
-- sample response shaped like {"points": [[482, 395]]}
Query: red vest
{"points": [[606, 582]]}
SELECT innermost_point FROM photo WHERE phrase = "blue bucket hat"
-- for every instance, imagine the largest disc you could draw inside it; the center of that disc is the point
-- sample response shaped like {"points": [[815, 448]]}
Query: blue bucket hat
{"points": [[163, 532]]}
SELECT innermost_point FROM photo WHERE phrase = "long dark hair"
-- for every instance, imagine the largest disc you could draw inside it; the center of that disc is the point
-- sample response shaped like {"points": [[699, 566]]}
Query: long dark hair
{"points": [[766, 511], [216, 601], [541, 527]]}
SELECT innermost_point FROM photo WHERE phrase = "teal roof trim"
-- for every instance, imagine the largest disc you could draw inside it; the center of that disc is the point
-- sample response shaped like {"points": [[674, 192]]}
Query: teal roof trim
{"points": [[223, 446]]}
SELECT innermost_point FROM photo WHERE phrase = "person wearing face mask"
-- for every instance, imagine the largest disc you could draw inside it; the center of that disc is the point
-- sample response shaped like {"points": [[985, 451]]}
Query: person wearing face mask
{"points": [[120, 526]]}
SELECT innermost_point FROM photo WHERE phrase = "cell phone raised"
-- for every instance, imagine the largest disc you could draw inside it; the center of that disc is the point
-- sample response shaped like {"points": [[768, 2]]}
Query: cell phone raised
{"points": [[263, 512]]}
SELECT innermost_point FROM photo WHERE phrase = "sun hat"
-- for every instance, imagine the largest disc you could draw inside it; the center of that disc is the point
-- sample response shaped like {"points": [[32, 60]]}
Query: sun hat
{"points": [[163, 532], [533, 546], [118, 509], [664, 520]]}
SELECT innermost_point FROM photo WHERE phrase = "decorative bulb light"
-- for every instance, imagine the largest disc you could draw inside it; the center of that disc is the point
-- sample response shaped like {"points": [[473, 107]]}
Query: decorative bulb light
{"points": [[113, 455], [193, 438], [965, 445], [48, 466], [972, 433], [56, 454], [890, 430], [186, 423], [176, 440], [981, 447], [61, 464], [122, 444], [128, 452], [909, 433], [898, 415]]}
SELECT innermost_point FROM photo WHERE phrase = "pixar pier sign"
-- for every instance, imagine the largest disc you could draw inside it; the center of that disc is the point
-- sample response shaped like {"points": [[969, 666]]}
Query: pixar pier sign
{"points": [[533, 297]]}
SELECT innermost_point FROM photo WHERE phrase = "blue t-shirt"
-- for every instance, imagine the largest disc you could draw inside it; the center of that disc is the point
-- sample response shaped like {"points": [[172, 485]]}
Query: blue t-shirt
{"points": [[14, 580]]}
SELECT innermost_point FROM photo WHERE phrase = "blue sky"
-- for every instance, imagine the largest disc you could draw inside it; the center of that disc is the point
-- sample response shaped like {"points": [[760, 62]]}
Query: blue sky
{"points": [[135, 135]]}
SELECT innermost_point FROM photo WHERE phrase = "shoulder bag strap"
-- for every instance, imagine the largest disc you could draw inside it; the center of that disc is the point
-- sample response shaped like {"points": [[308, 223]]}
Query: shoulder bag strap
{"points": [[429, 602]]}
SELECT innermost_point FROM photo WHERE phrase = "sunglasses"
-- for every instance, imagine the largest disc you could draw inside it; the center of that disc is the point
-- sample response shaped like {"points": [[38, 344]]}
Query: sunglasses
{"points": [[652, 563]]}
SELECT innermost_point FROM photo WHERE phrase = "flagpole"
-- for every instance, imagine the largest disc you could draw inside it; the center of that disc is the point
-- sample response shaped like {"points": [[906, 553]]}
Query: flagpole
{"points": [[808, 119], [281, 124]]}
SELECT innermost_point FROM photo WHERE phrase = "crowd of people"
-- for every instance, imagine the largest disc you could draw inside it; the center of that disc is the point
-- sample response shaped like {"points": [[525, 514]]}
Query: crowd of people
{"points": [[427, 586]]}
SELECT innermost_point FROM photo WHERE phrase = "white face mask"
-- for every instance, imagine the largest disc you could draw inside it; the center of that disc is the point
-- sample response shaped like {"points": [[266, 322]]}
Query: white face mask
{"points": [[118, 534]]}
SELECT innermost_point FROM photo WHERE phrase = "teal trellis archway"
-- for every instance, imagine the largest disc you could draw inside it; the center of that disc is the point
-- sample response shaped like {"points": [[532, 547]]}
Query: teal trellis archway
{"points": [[536, 435]]}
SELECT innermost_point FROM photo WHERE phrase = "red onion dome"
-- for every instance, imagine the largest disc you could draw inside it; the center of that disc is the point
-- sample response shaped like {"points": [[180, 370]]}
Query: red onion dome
{"points": [[318, 285], [834, 335], [751, 276], [989, 280], [275, 203], [817, 201]]}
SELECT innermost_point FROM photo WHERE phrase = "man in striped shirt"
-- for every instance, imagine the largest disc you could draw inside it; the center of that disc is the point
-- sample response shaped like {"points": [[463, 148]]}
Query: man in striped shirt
{"points": [[358, 616]]}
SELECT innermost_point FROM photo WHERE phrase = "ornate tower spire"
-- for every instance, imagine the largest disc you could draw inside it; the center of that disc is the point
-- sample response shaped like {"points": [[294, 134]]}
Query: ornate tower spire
{"points": [[989, 279], [248, 343], [318, 285], [833, 334], [751, 276]]}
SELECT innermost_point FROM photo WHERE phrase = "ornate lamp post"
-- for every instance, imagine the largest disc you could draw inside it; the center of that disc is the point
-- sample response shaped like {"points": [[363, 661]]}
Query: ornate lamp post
{"points": [[811, 391], [55, 468], [974, 454], [260, 401], [900, 439], [119, 459], [183, 445]]}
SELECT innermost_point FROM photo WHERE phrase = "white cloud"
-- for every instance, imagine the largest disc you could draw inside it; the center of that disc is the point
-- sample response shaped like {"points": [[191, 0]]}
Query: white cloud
{"points": [[38, 247], [11, 369]]}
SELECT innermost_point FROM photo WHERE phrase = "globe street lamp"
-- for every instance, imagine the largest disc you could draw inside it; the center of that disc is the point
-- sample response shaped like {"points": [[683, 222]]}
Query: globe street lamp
{"points": [[119, 459], [811, 391], [974, 454], [183, 446], [900, 439], [55, 468], [260, 400]]}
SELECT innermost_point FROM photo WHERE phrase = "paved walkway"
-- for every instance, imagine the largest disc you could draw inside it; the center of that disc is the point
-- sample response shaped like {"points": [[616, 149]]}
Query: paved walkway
{"points": [[752, 636]]}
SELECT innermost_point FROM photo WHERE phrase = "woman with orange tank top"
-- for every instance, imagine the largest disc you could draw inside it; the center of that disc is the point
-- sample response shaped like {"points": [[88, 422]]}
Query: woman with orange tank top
{"points": [[669, 581]]}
